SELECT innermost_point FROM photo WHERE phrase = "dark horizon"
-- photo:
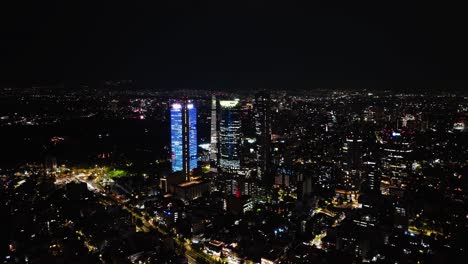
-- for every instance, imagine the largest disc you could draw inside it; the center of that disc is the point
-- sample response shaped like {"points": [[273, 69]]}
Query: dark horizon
{"points": [[260, 45]]}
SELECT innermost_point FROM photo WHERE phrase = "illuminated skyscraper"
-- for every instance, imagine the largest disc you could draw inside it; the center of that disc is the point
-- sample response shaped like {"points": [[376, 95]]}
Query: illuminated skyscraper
{"points": [[183, 137], [263, 135], [176, 137], [192, 131], [214, 130], [229, 134], [372, 180], [397, 148], [352, 163]]}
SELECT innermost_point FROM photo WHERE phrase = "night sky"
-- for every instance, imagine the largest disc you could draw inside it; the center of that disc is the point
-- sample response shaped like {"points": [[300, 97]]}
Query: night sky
{"points": [[261, 45]]}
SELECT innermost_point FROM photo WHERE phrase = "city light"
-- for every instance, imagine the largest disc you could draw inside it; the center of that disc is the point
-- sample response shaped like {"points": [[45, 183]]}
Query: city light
{"points": [[227, 133], [176, 106]]}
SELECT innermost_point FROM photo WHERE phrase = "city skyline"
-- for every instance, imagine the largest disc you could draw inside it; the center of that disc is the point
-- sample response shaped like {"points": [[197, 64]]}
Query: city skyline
{"points": [[223, 132], [332, 176]]}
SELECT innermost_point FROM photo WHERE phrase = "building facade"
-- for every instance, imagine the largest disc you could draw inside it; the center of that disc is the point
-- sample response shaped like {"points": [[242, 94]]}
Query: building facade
{"points": [[229, 134], [263, 136], [184, 137], [214, 130]]}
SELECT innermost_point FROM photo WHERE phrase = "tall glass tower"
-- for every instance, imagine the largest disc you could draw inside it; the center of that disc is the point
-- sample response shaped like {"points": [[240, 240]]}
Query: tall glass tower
{"points": [[229, 134], [263, 135], [184, 137], [176, 137], [192, 135], [214, 130]]}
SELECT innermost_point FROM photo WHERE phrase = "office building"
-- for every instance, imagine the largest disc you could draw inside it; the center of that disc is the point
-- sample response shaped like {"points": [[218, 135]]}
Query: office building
{"points": [[229, 134], [183, 137], [191, 189], [214, 130], [397, 148], [352, 163], [263, 137]]}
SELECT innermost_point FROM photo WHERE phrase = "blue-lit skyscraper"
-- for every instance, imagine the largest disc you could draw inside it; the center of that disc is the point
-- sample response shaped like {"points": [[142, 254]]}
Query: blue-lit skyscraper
{"points": [[184, 137], [176, 137], [192, 131]]}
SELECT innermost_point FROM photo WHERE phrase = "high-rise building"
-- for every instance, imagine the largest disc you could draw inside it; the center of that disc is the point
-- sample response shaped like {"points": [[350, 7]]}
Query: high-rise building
{"points": [[263, 136], [184, 137], [193, 143], [352, 163], [229, 134], [397, 148], [349, 179], [370, 166], [214, 130], [372, 179]]}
